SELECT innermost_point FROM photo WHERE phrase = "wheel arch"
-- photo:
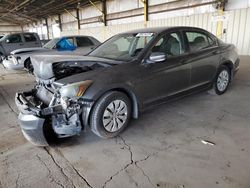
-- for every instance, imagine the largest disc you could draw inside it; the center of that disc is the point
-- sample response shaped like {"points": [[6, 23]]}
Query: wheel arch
{"points": [[26, 61], [129, 93], [229, 64], [133, 99]]}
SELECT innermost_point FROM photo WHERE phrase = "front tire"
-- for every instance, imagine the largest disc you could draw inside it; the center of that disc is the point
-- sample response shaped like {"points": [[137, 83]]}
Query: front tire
{"points": [[111, 114], [222, 80]]}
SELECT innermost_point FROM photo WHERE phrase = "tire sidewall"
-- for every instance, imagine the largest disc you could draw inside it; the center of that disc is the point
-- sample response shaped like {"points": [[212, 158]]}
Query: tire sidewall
{"points": [[96, 123], [222, 68]]}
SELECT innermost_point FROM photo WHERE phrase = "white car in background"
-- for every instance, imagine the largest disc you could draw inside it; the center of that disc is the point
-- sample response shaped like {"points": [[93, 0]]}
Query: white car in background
{"points": [[75, 45]]}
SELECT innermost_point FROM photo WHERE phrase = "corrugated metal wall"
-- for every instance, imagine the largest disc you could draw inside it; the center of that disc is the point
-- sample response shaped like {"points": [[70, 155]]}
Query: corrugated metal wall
{"points": [[6, 28], [236, 24]]}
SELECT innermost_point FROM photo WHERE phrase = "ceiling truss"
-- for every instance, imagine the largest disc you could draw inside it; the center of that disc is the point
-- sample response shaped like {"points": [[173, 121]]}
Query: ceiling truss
{"points": [[26, 11]]}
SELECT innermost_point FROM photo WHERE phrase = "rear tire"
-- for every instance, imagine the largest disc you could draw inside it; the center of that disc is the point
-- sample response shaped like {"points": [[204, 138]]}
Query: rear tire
{"points": [[222, 80], [111, 114]]}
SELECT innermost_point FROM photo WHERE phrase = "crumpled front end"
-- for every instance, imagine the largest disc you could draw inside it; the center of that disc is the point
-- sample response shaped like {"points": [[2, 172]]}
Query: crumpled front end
{"points": [[36, 117]]}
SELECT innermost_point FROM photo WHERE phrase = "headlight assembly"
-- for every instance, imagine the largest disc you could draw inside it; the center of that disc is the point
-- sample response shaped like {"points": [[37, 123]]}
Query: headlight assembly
{"points": [[74, 90]]}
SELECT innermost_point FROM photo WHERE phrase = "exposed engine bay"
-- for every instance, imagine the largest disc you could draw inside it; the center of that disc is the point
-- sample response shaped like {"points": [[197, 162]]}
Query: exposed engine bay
{"points": [[61, 104]]}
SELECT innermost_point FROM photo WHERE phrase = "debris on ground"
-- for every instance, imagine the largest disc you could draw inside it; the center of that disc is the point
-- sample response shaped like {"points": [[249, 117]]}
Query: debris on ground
{"points": [[206, 142]]}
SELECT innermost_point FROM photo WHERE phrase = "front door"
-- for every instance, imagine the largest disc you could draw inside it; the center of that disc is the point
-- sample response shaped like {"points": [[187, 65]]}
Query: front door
{"points": [[163, 79], [13, 42]]}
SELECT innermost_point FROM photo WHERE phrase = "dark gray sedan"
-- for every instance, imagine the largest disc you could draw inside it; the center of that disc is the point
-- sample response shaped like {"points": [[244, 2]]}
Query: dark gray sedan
{"points": [[127, 74]]}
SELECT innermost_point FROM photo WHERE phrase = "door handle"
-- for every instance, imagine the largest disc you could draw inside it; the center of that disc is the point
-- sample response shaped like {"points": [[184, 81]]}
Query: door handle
{"points": [[21, 44]]}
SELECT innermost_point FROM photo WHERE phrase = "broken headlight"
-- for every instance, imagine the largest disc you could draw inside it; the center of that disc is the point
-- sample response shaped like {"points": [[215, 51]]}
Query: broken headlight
{"points": [[73, 91]]}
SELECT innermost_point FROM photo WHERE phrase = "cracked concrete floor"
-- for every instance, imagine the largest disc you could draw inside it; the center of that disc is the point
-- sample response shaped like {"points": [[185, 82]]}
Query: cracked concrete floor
{"points": [[161, 149]]}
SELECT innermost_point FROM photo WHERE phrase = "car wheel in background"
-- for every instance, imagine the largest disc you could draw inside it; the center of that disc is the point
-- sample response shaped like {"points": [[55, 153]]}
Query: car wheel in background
{"points": [[111, 114]]}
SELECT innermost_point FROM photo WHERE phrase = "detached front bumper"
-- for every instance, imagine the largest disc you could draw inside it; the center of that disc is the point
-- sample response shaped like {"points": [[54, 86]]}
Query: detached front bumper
{"points": [[32, 129], [31, 124], [32, 118]]}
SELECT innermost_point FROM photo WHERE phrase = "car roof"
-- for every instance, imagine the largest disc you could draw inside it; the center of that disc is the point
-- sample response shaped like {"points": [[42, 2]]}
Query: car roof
{"points": [[160, 29], [22, 33], [74, 36]]}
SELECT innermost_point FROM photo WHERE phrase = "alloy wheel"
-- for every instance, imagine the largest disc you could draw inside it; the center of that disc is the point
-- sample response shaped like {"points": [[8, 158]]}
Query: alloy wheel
{"points": [[223, 80], [115, 115]]}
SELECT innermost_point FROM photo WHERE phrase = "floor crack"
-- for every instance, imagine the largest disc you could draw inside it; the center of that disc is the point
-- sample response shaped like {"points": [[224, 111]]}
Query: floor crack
{"points": [[132, 162], [76, 171], [61, 169], [143, 172], [6, 101], [49, 171], [84, 179], [128, 148], [17, 180]]}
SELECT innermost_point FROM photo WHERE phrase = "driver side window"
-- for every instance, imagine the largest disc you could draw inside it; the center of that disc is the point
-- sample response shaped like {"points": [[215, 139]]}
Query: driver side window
{"points": [[16, 38], [170, 44]]}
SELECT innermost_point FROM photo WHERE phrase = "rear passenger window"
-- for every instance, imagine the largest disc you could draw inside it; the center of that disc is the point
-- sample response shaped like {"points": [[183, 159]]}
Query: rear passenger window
{"points": [[83, 41], [198, 41], [28, 37], [14, 39]]}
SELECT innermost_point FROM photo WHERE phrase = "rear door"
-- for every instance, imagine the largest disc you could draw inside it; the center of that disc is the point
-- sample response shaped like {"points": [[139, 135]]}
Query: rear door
{"points": [[204, 56], [31, 40], [13, 42]]}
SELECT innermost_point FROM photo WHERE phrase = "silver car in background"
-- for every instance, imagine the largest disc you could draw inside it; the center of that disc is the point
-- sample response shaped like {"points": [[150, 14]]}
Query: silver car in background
{"points": [[20, 58]]}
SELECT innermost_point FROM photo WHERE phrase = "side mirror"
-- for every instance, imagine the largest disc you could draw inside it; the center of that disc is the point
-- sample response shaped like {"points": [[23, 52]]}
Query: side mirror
{"points": [[156, 57], [7, 41]]}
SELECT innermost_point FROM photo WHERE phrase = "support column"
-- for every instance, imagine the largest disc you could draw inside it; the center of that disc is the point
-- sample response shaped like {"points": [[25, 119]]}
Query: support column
{"points": [[47, 27], [60, 22], [104, 12], [219, 28], [145, 5], [78, 19]]}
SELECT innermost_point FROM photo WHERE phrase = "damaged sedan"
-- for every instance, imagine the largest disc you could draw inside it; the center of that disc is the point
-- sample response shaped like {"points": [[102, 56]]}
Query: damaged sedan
{"points": [[122, 77]]}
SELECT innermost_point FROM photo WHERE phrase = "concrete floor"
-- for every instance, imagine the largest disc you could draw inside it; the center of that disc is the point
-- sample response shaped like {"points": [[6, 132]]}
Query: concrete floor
{"points": [[161, 149]]}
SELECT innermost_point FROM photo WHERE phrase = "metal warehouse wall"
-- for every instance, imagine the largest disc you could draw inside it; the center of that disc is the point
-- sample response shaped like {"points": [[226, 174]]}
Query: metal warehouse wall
{"points": [[236, 23], [235, 20], [6, 28]]}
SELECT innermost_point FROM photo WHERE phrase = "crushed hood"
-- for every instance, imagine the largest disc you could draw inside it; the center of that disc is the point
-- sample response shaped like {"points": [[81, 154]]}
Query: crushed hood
{"points": [[60, 66]]}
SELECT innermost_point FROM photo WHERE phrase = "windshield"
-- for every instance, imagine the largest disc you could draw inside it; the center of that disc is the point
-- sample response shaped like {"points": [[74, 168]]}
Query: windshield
{"points": [[123, 47], [51, 44]]}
